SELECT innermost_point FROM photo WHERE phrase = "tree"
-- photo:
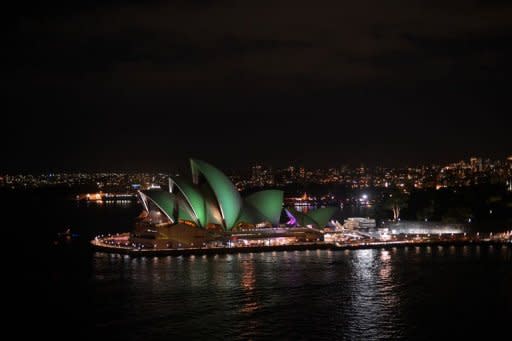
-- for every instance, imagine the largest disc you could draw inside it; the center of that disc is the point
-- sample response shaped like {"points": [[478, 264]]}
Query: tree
{"points": [[395, 202], [426, 212], [457, 214]]}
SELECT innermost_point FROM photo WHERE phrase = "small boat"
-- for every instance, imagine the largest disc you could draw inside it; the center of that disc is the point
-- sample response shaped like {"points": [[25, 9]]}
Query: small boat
{"points": [[67, 234]]}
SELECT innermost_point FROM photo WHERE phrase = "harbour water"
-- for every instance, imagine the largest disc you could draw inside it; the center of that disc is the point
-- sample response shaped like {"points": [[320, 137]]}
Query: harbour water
{"points": [[358, 294], [402, 293]]}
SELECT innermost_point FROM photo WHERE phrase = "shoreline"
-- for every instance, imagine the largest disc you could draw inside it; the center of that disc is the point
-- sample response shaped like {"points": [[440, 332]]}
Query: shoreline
{"points": [[100, 247]]}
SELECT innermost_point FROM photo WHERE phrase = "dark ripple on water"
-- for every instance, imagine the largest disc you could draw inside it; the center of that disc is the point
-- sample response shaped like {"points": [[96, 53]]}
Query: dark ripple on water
{"points": [[363, 294]]}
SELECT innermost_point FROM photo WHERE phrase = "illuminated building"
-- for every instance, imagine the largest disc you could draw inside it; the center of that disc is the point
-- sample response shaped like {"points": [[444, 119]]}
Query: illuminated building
{"points": [[193, 213], [211, 200]]}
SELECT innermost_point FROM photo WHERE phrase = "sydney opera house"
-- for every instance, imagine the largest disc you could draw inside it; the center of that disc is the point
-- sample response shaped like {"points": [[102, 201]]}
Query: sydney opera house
{"points": [[207, 210]]}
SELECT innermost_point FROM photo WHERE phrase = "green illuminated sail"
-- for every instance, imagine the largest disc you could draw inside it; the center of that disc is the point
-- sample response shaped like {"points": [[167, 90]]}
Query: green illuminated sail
{"points": [[193, 197], [227, 196], [322, 215], [267, 203], [164, 200]]}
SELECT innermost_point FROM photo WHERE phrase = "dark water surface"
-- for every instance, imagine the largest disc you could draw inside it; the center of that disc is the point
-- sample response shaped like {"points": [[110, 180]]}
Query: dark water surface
{"points": [[325, 294], [412, 293]]}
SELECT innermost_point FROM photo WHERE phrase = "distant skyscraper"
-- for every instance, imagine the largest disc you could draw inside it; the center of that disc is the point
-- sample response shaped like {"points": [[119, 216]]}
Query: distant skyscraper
{"points": [[256, 171], [257, 175], [291, 171], [476, 164]]}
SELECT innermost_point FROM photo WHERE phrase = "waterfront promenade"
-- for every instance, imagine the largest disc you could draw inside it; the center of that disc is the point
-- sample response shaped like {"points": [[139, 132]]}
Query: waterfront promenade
{"points": [[101, 244]]}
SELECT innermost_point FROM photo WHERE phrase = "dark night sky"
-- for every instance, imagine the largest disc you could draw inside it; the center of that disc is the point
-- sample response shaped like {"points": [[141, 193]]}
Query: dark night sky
{"points": [[127, 85]]}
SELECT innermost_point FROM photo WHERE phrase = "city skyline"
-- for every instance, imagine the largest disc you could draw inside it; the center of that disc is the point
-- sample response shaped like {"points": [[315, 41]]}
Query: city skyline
{"points": [[244, 167], [470, 172]]}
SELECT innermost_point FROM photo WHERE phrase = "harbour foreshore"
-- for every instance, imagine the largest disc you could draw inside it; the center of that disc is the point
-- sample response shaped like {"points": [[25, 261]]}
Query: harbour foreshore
{"points": [[99, 245]]}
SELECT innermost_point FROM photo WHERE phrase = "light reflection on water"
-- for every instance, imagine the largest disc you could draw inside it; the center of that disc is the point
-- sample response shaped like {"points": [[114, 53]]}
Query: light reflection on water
{"points": [[349, 294]]}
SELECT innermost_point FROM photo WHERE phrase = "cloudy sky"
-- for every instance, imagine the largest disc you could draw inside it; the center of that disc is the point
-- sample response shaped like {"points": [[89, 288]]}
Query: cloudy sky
{"points": [[145, 85]]}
